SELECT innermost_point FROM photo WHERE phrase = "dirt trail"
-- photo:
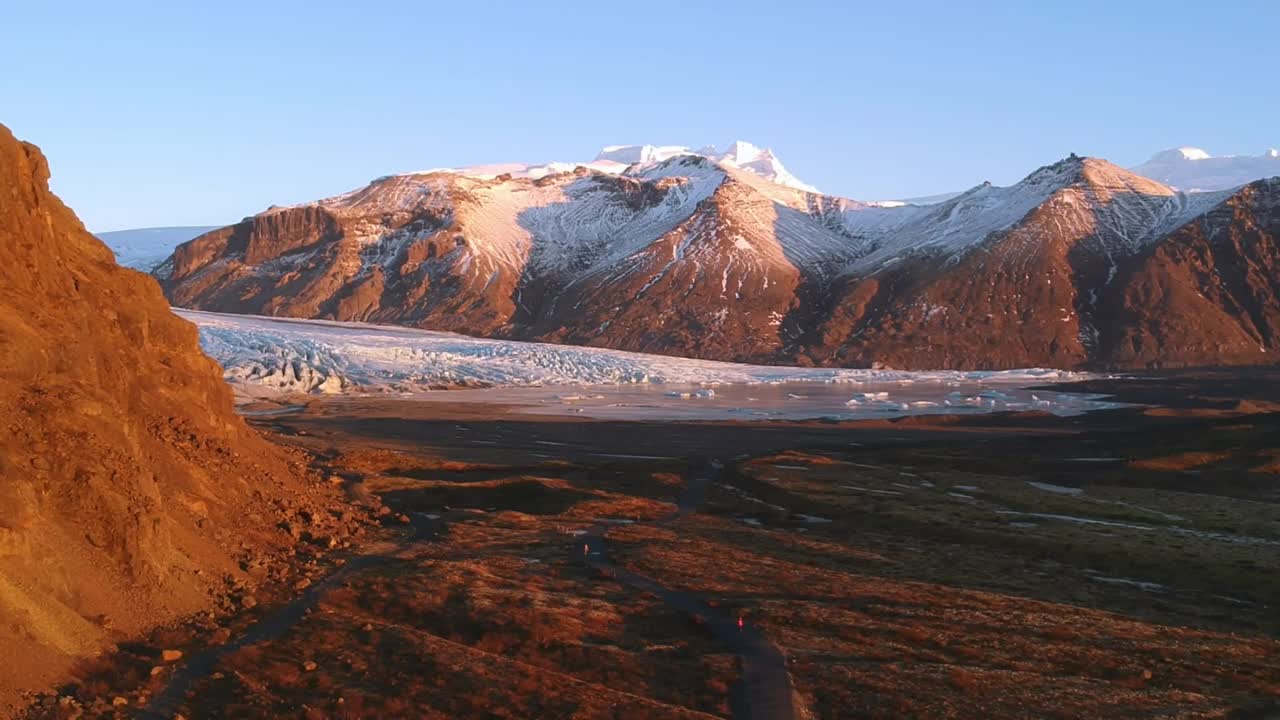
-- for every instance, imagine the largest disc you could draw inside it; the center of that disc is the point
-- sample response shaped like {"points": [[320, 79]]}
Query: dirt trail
{"points": [[764, 692], [197, 667], [167, 702]]}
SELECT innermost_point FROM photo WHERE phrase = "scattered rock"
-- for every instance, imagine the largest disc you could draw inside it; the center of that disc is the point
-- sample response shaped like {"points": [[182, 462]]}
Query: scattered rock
{"points": [[308, 666], [302, 584], [171, 655], [248, 602], [118, 701]]}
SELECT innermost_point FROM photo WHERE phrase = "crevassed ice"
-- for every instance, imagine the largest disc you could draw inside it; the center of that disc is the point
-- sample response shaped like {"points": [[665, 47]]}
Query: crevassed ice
{"points": [[308, 356]]}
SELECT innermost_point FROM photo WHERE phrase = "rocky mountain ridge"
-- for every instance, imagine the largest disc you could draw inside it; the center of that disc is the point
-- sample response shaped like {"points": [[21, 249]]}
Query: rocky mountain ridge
{"points": [[692, 256]]}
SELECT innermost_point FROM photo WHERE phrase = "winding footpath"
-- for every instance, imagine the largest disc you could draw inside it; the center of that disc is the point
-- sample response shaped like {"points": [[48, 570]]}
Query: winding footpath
{"points": [[764, 691], [197, 667], [167, 702]]}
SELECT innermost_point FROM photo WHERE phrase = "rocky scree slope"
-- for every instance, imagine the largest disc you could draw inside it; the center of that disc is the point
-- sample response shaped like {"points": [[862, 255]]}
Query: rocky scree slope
{"points": [[128, 486]]}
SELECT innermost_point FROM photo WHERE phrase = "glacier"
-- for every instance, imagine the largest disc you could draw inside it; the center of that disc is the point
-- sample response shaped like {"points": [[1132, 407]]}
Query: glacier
{"points": [[273, 357]]}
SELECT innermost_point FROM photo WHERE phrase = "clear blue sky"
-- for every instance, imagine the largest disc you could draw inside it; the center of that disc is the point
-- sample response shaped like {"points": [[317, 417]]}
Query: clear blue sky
{"points": [[201, 113]]}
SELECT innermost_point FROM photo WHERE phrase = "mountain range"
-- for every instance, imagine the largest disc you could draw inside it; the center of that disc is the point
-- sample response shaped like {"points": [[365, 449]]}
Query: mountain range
{"points": [[723, 256], [1188, 168]]}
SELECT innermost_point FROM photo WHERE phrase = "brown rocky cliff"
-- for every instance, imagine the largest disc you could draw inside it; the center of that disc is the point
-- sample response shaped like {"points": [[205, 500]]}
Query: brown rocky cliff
{"points": [[125, 476], [1207, 294]]}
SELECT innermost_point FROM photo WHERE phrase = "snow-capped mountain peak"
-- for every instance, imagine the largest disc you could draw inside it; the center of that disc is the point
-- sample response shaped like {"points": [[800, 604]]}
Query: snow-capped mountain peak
{"points": [[616, 159], [739, 154], [1194, 170], [642, 154], [761, 162]]}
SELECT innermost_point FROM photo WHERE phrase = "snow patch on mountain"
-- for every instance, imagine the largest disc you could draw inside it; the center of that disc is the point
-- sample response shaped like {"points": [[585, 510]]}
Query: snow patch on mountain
{"points": [[590, 229], [949, 227]]}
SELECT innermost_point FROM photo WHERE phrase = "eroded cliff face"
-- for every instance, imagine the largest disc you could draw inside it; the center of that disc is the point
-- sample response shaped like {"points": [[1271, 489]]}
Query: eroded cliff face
{"points": [[127, 482]]}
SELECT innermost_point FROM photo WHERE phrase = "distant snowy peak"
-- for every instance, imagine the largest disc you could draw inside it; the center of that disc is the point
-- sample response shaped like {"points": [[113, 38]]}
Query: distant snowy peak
{"points": [[1194, 170], [1183, 153], [641, 154], [616, 159], [146, 248], [739, 154], [744, 153]]}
